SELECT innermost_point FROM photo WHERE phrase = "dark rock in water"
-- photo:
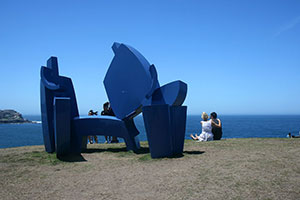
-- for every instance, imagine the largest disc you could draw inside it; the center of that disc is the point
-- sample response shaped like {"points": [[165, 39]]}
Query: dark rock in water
{"points": [[11, 116]]}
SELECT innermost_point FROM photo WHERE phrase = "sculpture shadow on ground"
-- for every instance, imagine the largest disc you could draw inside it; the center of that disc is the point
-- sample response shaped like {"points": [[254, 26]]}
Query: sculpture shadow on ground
{"points": [[194, 152], [180, 155], [142, 150], [72, 158]]}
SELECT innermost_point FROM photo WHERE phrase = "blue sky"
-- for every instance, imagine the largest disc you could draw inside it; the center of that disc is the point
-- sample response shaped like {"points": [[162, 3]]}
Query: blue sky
{"points": [[237, 57]]}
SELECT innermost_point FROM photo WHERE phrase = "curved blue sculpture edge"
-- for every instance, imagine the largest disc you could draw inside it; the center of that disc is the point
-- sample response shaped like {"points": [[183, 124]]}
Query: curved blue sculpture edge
{"points": [[61, 122], [132, 86]]}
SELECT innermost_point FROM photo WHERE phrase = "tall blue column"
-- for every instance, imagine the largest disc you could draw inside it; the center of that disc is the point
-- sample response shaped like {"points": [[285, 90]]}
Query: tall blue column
{"points": [[62, 125]]}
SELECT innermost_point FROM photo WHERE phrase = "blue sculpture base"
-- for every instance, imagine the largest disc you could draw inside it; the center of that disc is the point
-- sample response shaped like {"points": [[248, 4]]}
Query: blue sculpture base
{"points": [[165, 128]]}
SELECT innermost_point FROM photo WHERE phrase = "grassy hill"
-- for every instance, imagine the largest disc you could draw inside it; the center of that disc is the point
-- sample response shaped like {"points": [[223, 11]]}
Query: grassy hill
{"points": [[265, 168]]}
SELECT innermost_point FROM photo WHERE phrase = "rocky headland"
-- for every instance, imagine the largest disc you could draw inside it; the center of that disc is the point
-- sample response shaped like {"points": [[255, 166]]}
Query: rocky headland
{"points": [[12, 116]]}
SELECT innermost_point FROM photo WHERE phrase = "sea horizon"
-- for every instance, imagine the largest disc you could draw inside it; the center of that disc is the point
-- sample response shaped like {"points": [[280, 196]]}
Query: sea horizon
{"points": [[219, 115], [234, 126]]}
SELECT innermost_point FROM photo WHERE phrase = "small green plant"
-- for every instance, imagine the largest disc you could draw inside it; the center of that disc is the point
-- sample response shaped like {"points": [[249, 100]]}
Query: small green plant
{"points": [[145, 157], [32, 158], [42, 157]]}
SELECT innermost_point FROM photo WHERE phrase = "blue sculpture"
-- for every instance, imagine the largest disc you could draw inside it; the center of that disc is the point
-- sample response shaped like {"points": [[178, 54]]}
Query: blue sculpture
{"points": [[132, 86], [131, 83], [64, 131]]}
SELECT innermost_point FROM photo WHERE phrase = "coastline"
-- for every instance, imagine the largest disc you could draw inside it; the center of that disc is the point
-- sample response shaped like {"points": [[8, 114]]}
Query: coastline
{"points": [[13, 135], [25, 122]]}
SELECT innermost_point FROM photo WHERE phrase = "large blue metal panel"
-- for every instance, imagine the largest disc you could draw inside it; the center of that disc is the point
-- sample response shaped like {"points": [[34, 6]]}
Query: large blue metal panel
{"points": [[157, 125], [47, 118], [173, 94], [53, 85], [128, 80], [178, 126], [62, 125]]}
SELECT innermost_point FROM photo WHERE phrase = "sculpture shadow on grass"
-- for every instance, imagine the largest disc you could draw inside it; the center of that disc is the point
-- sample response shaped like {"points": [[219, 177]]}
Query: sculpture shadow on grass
{"points": [[194, 152], [142, 150], [179, 155], [72, 158]]}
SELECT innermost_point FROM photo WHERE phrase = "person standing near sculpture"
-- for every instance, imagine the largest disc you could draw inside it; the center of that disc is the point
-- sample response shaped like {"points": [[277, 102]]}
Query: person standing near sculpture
{"points": [[216, 126], [93, 137], [107, 110]]}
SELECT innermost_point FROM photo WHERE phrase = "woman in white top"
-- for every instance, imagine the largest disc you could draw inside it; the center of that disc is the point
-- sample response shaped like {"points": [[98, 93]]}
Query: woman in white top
{"points": [[206, 134]]}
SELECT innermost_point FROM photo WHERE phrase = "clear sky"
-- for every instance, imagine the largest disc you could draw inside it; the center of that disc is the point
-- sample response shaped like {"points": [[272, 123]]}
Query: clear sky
{"points": [[237, 57]]}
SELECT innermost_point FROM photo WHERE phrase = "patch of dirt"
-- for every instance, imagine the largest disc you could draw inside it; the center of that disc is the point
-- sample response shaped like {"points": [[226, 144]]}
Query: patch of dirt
{"points": [[227, 169]]}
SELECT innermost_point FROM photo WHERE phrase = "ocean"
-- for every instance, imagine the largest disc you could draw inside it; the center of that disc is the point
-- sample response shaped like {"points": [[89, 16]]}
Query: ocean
{"points": [[234, 126]]}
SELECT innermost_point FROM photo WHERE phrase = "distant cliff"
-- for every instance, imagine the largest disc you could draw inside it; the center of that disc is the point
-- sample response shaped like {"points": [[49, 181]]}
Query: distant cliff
{"points": [[11, 116]]}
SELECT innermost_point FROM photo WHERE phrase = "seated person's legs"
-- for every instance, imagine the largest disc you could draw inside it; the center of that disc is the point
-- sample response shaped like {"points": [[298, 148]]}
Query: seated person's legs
{"points": [[194, 137], [107, 139], [90, 139], [114, 139], [96, 139]]}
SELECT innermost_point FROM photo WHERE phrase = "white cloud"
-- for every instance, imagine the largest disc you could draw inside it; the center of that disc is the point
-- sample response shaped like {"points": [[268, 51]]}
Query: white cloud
{"points": [[288, 26]]}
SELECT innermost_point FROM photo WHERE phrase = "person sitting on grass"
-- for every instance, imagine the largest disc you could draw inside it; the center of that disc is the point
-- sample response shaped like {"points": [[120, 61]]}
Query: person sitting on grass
{"points": [[293, 136], [216, 126], [206, 134], [90, 138]]}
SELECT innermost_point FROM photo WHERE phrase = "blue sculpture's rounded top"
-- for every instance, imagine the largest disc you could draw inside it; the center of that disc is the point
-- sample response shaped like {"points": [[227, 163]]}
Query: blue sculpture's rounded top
{"points": [[128, 80]]}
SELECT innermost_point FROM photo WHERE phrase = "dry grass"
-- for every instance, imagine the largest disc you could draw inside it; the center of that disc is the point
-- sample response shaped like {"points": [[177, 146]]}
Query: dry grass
{"points": [[229, 169]]}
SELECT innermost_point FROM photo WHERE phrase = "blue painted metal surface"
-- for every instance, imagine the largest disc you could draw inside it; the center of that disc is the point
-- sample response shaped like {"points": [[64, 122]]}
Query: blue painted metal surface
{"points": [[157, 125], [53, 87], [128, 81], [165, 127], [132, 86], [178, 125], [131, 83], [173, 93], [62, 125]]}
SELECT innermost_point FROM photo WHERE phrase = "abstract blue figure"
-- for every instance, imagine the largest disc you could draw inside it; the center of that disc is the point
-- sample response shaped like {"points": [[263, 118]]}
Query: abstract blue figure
{"points": [[132, 86], [131, 83], [64, 131]]}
